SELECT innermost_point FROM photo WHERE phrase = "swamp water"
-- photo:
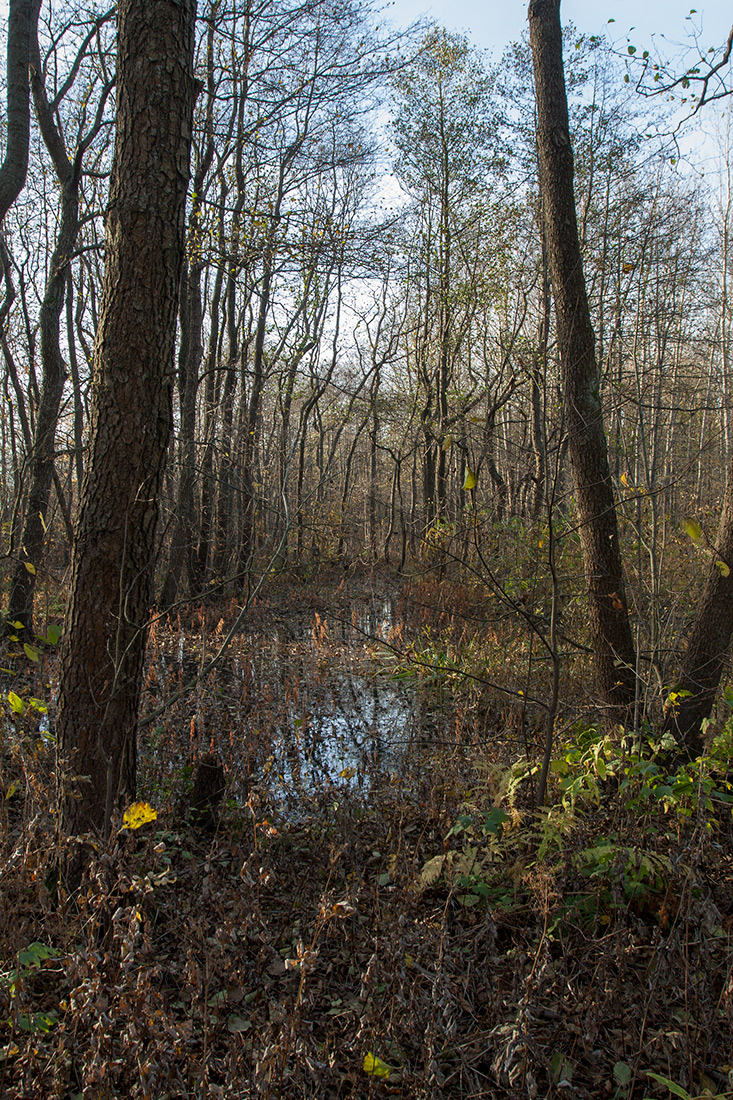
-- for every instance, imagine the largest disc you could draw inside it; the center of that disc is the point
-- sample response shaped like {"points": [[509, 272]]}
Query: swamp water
{"points": [[297, 706]]}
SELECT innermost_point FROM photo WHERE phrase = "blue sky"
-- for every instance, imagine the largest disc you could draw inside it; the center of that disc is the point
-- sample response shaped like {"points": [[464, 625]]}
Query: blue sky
{"points": [[492, 24]]}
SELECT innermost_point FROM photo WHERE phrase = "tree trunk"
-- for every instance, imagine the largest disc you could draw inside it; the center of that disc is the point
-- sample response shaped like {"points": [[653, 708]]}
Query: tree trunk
{"points": [[612, 641], [709, 639], [181, 564], [112, 564], [22, 21]]}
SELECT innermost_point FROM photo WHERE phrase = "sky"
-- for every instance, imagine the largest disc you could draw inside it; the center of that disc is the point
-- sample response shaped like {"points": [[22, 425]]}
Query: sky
{"points": [[664, 27], [493, 24]]}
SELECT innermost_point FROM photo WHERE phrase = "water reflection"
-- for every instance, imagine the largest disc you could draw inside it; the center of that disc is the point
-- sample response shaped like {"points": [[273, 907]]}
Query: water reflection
{"points": [[298, 708]]}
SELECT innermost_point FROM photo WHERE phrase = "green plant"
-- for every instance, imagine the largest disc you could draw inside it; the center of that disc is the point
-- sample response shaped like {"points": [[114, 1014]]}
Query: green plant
{"points": [[638, 872], [470, 866], [678, 1090], [28, 963]]}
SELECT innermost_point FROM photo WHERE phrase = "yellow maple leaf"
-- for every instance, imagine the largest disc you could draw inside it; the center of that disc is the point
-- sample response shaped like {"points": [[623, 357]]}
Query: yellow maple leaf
{"points": [[139, 813]]}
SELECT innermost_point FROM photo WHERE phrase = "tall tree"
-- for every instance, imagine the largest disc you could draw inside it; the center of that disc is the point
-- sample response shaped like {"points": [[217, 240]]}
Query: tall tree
{"points": [[22, 20], [444, 131], [613, 645], [114, 552], [709, 638]]}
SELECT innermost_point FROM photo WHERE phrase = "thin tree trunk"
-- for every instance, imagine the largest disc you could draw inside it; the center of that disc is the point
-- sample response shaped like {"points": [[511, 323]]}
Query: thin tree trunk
{"points": [[42, 456], [612, 640]]}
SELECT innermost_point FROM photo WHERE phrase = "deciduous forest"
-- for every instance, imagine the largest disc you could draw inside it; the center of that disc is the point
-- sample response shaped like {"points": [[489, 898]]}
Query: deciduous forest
{"points": [[366, 593]]}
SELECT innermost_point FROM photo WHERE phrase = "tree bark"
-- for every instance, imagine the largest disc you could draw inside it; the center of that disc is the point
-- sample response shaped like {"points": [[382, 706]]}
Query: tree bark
{"points": [[22, 21], [112, 564], [181, 563], [709, 639], [612, 641]]}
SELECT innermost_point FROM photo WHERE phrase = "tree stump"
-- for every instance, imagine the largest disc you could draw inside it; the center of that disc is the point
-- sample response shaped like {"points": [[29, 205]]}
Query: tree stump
{"points": [[208, 791]]}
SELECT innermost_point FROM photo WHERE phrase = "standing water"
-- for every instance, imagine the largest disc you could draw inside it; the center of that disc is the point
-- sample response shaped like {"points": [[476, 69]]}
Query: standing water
{"points": [[297, 706]]}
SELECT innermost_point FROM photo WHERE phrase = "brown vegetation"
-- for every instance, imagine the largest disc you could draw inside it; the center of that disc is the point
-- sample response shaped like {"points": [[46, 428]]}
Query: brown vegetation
{"points": [[430, 921]]}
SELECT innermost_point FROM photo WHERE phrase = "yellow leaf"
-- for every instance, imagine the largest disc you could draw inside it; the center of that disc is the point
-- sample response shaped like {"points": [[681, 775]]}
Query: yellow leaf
{"points": [[447, 443], [624, 479], [722, 568], [30, 567], [347, 773], [375, 1067], [693, 529], [432, 870], [470, 481], [16, 703], [139, 813]]}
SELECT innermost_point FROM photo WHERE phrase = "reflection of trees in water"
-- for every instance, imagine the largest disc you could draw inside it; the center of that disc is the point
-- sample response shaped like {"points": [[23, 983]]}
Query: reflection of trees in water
{"points": [[300, 711], [353, 724]]}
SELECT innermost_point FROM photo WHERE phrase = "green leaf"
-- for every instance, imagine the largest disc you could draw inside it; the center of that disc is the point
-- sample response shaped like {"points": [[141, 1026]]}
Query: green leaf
{"points": [[722, 568], [561, 1068], [676, 1090], [237, 1024], [622, 1074], [35, 953], [494, 820], [53, 634], [468, 900], [44, 1021], [31, 652]]}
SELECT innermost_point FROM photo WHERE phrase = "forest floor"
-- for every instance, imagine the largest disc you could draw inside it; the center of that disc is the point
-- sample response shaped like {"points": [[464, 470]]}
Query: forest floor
{"points": [[378, 909]]}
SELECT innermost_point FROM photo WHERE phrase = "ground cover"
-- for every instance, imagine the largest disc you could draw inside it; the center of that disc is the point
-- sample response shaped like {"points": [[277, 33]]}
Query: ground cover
{"points": [[399, 922]]}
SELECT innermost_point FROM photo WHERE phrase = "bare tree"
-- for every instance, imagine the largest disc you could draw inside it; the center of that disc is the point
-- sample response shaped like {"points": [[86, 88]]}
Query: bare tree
{"points": [[69, 174]]}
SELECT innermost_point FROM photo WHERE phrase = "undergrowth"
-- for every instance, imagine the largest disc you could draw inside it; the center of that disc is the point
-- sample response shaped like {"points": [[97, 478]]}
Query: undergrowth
{"points": [[429, 937]]}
